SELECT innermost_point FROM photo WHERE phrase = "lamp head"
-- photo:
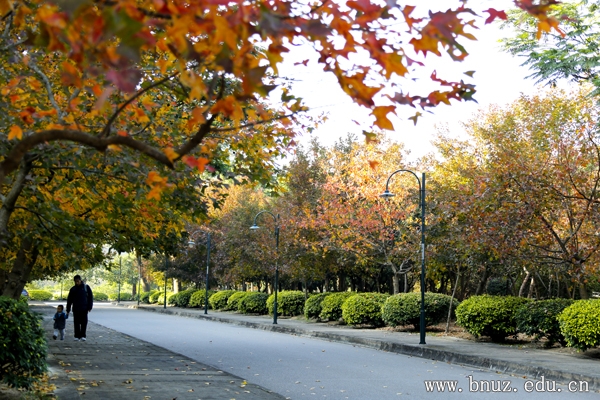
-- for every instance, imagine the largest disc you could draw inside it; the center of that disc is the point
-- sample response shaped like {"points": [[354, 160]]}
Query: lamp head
{"points": [[387, 194], [191, 244], [254, 227]]}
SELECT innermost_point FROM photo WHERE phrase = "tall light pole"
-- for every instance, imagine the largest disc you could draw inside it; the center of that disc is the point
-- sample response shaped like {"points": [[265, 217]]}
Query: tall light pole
{"points": [[166, 268], [387, 194], [254, 227], [192, 243]]}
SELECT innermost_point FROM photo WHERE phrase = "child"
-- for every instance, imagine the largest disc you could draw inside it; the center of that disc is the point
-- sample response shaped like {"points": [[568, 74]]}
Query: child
{"points": [[60, 321]]}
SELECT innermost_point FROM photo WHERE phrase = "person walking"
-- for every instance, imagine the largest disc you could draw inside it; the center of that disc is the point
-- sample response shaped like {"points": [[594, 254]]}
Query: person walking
{"points": [[82, 300], [60, 322]]}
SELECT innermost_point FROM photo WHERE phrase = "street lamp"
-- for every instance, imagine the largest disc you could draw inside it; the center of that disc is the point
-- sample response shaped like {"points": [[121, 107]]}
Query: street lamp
{"points": [[191, 243], [255, 227], [387, 194]]}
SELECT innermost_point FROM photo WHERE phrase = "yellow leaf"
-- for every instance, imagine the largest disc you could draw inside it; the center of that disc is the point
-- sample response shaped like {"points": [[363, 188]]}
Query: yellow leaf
{"points": [[114, 147], [15, 132], [171, 154]]}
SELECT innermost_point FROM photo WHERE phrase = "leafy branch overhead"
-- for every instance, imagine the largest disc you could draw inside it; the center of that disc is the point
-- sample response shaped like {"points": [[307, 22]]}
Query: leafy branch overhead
{"points": [[108, 74]]}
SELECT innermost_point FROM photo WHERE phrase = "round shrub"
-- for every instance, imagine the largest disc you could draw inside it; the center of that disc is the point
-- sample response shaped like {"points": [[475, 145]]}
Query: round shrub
{"points": [[253, 303], [405, 309], [331, 306], [198, 297], [580, 324], [161, 299], [155, 296], [145, 296], [234, 299], [124, 296], [23, 355], [40, 295], [364, 309], [218, 301], [99, 296], [539, 318], [182, 299], [492, 316], [289, 303], [312, 307]]}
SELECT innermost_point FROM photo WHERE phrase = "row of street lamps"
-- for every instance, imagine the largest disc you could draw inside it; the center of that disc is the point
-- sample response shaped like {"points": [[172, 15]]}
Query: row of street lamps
{"points": [[386, 194]]}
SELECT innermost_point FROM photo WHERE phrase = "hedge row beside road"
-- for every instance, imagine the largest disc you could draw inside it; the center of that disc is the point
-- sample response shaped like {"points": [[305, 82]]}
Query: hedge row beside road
{"points": [[572, 323], [568, 322]]}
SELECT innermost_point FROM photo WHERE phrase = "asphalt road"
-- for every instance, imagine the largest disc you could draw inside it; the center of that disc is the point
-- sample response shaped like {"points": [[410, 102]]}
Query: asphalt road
{"points": [[299, 367]]}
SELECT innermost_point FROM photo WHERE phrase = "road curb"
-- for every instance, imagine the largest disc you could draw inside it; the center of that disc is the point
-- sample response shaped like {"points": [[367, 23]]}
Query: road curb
{"points": [[421, 351]]}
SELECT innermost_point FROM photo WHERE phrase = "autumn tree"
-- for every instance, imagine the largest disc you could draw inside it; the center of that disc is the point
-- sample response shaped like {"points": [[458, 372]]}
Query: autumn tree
{"points": [[534, 199]]}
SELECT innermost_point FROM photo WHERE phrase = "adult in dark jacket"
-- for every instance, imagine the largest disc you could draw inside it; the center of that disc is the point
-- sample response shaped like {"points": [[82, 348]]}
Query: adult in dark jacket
{"points": [[81, 299]]}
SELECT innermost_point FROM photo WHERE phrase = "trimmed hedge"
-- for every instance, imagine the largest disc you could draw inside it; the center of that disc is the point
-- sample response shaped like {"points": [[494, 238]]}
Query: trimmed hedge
{"points": [[364, 309], [234, 299], [253, 303], [40, 295], [218, 301], [161, 299], [492, 316], [580, 324], [99, 296], [198, 297], [289, 303], [145, 296], [540, 318], [181, 299], [23, 344], [331, 306], [312, 307], [405, 309], [155, 295]]}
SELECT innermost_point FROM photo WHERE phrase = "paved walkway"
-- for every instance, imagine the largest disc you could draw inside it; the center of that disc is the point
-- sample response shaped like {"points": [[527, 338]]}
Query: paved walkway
{"points": [[113, 366], [556, 364]]}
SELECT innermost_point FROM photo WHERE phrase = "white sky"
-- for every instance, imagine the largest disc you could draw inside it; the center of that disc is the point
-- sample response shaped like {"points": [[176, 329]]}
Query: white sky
{"points": [[499, 79]]}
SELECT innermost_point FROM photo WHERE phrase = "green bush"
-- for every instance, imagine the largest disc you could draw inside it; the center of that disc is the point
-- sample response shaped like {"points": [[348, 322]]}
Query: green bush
{"points": [[497, 287], [218, 301], [40, 295], [492, 316], [124, 296], [253, 303], [539, 318], [197, 299], [23, 345], [234, 299], [312, 307], [161, 299], [364, 309], [331, 306], [99, 296], [145, 296], [289, 303], [181, 299], [580, 324], [155, 295], [405, 309]]}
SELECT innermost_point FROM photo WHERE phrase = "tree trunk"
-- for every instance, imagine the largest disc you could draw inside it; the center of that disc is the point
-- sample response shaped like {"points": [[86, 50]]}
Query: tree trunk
{"points": [[524, 283], [22, 266], [482, 282], [452, 299], [396, 282]]}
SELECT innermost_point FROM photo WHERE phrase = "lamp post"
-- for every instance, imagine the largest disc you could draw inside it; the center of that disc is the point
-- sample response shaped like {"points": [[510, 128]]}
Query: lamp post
{"points": [[120, 272], [192, 243], [255, 227], [387, 194], [166, 268]]}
